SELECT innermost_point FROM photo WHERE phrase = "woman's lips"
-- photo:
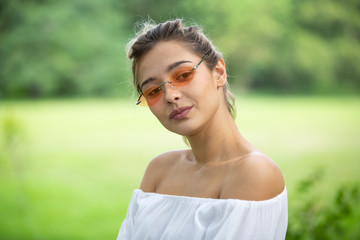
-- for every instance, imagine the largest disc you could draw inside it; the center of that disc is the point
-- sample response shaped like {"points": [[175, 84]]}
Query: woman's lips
{"points": [[180, 113]]}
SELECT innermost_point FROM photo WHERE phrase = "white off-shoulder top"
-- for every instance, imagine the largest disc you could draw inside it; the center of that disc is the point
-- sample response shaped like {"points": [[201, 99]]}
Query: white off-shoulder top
{"points": [[159, 216]]}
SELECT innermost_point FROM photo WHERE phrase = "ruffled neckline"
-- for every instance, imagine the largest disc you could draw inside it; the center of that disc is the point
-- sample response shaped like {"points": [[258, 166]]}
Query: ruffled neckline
{"points": [[196, 199]]}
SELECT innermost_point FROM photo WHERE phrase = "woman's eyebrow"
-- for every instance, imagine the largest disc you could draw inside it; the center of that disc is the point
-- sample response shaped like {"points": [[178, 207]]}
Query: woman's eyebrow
{"points": [[150, 79], [170, 67], [174, 65]]}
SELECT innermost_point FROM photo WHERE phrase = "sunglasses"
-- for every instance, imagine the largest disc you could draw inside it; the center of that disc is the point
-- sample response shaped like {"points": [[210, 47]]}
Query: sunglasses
{"points": [[179, 78]]}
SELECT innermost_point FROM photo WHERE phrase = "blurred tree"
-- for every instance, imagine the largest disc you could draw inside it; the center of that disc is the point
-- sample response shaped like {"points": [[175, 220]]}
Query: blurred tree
{"points": [[329, 34], [61, 48], [283, 46], [67, 48]]}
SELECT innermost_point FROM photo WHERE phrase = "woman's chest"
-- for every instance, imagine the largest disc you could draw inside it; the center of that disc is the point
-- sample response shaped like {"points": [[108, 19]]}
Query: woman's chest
{"points": [[192, 182]]}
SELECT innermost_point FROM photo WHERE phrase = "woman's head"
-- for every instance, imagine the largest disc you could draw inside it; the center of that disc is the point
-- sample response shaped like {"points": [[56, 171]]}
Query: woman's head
{"points": [[192, 37]]}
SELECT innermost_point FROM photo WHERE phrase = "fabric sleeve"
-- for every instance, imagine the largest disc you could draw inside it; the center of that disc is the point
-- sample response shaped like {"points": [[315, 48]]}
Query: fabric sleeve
{"points": [[244, 220], [127, 225]]}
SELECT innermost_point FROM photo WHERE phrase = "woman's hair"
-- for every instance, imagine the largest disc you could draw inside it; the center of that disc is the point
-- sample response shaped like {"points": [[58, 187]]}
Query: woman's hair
{"points": [[174, 30]]}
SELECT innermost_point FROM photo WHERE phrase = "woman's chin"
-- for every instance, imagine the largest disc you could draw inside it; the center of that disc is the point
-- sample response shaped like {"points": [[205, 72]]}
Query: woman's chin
{"points": [[183, 130]]}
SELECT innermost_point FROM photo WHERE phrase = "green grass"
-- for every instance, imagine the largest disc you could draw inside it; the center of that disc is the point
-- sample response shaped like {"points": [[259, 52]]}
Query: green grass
{"points": [[72, 169]]}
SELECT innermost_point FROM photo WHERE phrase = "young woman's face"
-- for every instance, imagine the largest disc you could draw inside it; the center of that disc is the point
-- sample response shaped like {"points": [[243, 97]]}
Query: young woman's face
{"points": [[188, 108]]}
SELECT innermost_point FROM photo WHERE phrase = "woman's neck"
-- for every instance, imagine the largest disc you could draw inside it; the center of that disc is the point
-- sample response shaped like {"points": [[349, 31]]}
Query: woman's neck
{"points": [[219, 141]]}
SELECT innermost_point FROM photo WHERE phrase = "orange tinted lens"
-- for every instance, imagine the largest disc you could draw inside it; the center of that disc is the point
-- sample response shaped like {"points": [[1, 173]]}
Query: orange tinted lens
{"points": [[143, 101], [183, 76], [152, 95]]}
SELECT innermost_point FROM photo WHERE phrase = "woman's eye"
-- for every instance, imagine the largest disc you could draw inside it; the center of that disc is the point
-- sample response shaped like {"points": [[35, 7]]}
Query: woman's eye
{"points": [[185, 76], [154, 91]]}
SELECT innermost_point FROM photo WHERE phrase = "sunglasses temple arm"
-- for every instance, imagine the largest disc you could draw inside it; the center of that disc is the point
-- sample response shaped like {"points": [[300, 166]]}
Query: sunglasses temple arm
{"points": [[139, 101], [200, 62]]}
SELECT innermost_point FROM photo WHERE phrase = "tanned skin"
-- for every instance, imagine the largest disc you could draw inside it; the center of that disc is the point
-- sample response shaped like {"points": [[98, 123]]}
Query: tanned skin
{"points": [[221, 162]]}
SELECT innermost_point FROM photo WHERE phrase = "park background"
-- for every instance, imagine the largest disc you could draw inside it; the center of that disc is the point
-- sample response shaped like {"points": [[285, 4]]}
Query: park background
{"points": [[73, 145]]}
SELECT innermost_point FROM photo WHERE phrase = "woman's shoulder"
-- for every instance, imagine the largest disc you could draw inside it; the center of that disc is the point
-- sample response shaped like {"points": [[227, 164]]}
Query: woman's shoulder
{"points": [[253, 177], [168, 159], [159, 166]]}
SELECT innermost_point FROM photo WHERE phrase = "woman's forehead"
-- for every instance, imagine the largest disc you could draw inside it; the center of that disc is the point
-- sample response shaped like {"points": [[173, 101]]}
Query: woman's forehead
{"points": [[160, 57]]}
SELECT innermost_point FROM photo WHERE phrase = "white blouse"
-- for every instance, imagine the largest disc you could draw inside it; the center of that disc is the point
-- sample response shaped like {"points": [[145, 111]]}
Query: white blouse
{"points": [[159, 216]]}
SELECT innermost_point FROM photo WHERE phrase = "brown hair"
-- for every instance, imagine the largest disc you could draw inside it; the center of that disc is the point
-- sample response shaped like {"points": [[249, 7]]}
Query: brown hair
{"points": [[192, 36]]}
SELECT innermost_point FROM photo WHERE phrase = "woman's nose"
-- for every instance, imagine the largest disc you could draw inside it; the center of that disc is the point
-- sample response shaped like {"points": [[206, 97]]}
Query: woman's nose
{"points": [[171, 93]]}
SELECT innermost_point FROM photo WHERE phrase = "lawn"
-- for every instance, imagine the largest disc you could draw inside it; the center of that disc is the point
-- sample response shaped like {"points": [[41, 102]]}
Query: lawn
{"points": [[68, 167]]}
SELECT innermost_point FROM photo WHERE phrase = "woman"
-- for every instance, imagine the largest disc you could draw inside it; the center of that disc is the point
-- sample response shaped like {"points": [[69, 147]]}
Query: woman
{"points": [[221, 188]]}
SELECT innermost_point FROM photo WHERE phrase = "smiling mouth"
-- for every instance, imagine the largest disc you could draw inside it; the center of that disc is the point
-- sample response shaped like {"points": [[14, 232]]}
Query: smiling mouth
{"points": [[180, 113]]}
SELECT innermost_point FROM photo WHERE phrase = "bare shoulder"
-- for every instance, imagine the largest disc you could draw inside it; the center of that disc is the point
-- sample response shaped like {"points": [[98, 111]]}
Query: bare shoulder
{"points": [[158, 167], [253, 177]]}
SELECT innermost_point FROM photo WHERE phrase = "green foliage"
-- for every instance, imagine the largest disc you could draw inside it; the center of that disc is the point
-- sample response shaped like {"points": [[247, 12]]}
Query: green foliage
{"points": [[61, 48], [12, 168], [313, 219], [12, 140], [275, 46], [70, 48]]}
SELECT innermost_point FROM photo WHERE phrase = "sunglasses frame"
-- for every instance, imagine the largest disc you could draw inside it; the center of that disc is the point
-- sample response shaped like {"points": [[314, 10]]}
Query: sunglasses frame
{"points": [[196, 66]]}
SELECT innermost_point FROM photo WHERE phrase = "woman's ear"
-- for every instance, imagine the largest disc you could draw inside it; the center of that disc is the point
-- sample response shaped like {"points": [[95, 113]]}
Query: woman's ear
{"points": [[220, 73]]}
